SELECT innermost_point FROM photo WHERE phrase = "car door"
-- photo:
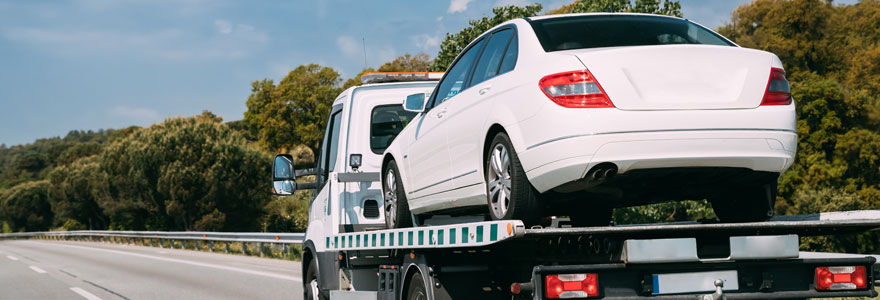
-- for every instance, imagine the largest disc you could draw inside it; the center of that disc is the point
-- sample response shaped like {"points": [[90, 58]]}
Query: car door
{"points": [[467, 114], [428, 158]]}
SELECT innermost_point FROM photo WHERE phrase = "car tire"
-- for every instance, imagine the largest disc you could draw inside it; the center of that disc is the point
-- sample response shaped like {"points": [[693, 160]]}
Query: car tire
{"points": [[397, 214], [510, 195], [416, 289], [310, 284], [745, 203]]}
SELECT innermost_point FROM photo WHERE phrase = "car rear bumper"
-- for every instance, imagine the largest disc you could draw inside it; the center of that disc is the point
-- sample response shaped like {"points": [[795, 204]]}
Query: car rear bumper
{"points": [[565, 159]]}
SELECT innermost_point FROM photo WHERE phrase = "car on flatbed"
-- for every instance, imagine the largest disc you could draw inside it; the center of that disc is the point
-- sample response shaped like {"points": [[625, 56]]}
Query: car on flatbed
{"points": [[349, 253], [578, 114]]}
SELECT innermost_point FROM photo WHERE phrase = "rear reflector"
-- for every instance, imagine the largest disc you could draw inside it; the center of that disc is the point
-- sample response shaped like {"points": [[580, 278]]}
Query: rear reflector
{"points": [[571, 286], [778, 90], [575, 89], [841, 278]]}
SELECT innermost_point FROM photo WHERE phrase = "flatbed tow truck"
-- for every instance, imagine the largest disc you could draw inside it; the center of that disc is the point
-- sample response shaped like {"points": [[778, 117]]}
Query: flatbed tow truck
{"points": [[349, 254]]}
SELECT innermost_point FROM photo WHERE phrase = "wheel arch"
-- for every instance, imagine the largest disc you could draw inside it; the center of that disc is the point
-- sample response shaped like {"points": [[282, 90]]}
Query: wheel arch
{"points": [[494, 129], [411, 270], [308, 248]]}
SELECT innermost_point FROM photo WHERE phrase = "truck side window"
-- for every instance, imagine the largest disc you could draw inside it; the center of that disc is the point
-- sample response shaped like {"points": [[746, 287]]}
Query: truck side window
{"points": [[333, 129], [386, 122]]}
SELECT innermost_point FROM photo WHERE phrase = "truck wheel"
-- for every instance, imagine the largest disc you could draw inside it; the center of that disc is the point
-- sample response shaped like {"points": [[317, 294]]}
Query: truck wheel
{"points": [[510, 195], [397, 213], [310, 284], [745, 204], [416, 288]]}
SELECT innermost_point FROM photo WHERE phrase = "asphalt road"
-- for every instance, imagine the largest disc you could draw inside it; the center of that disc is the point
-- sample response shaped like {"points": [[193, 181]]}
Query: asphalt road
{"points": [[85, 270]]}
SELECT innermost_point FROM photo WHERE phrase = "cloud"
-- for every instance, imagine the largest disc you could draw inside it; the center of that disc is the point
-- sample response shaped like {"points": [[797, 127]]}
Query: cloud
{"points": [[231, 41], [458, 6], [137, 115], [424, 41], [349, 46], [223, 26]]}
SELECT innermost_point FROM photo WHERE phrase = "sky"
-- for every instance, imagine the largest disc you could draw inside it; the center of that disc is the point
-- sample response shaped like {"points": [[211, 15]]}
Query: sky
{"points": [[92, 64]]}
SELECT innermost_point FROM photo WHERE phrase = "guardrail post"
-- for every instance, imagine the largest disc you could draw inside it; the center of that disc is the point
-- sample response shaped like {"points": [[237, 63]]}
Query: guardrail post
{"points": [[198, 245], [244, 248], [262, 249], [284, 250], [210, 246], [227, 247], [161, 243]]}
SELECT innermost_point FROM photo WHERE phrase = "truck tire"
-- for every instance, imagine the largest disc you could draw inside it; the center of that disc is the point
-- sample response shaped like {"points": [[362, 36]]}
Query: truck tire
{"points": [[745, 203], [397, 214], [311, 291], [416, 290], [510, 195]]}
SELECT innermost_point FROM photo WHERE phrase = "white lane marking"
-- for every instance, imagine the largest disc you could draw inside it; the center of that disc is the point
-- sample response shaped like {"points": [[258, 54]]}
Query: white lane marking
{"points": [[84, 293], [200, 264], [11, 257], [163, 252], [38, 270]]}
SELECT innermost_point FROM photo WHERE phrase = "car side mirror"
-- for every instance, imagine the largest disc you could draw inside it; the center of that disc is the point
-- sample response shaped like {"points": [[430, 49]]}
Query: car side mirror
{"points": [[415, 102], [283, 175]]}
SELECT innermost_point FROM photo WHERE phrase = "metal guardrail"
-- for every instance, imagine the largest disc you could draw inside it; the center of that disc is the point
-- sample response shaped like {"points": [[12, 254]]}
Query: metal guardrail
{"points": [[154, 238]]}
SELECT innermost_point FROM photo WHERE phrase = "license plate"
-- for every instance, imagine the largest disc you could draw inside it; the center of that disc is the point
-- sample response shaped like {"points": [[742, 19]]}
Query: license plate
{"points": [[680, 283]]}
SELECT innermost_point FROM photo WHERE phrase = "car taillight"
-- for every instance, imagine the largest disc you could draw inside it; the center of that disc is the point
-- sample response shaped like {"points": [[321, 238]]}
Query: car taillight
{"points": [[841, 278], [571, 286], [575, 89], [778, 91]]}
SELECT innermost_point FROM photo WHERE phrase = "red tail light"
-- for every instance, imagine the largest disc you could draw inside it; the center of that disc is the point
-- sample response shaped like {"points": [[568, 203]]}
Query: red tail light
{"points": [[571, 286], [575, 89], [841, 278], [778, 91]]}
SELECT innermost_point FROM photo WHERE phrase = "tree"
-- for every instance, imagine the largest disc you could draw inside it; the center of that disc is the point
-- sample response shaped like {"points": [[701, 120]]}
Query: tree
{"points": [[25, 207], [73, 191], [671, 8], [184, 174], [295, 111], [453, 44]]}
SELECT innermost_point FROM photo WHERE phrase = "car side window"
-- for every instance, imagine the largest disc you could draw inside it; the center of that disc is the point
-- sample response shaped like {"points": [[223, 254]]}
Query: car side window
{"points": [[509, 56], [454, 82], [490, 60]]}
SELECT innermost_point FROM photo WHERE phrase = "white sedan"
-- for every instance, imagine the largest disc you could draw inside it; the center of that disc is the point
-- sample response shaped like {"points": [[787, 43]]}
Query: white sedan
{"points": [[574, 115]]}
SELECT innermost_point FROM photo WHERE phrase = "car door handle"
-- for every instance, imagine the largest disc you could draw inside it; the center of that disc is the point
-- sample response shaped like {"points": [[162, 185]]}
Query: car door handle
{"points": [[441, 113], [485, 90]]}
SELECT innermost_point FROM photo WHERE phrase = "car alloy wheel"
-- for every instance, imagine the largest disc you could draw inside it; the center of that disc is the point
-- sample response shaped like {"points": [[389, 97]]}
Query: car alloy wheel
{"points": [[498, 180], [391, 199]]}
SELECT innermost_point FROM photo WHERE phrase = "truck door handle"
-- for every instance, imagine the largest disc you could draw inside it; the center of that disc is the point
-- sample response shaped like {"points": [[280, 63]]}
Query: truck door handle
{"points": [[485, 90]]}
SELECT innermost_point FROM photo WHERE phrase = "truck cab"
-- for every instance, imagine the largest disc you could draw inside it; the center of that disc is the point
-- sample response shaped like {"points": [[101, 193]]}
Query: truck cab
{"points": [[347, 194]]}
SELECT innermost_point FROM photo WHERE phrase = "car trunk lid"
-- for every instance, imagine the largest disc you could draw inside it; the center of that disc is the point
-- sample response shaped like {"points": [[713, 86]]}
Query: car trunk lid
{"points": [[675, 77]]}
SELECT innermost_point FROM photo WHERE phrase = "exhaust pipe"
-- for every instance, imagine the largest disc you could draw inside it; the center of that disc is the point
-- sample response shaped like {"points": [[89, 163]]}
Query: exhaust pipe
{"points": [[597, 174], [610, 172], [602, 171]]}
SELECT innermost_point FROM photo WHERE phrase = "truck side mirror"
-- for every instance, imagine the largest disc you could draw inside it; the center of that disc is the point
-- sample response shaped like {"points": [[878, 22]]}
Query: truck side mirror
{"points": [[415, 102], [283, 175]]}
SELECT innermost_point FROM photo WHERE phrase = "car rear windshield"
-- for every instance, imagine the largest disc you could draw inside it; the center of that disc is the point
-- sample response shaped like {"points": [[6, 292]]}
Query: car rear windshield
{"points": [[582, 32]]}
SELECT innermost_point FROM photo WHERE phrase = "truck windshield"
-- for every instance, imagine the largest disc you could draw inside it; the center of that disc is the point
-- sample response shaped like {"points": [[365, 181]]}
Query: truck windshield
{"points": [[385, 123], [597, 31]]}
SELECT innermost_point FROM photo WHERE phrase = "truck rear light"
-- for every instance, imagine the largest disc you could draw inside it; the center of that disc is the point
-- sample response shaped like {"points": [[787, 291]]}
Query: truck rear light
{"points": [[841, 278], [575, 89], [778, 90], [571, 286]]}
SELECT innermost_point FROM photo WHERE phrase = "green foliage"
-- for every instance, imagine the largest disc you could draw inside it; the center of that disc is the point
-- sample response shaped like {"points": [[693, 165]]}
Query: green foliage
{"points": [[664, 212], [184, 174], [288, 214], [294, 112], [453, 44], [26, 207], [666, 7], [6, 228], [71, 225], [672, 8]]}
